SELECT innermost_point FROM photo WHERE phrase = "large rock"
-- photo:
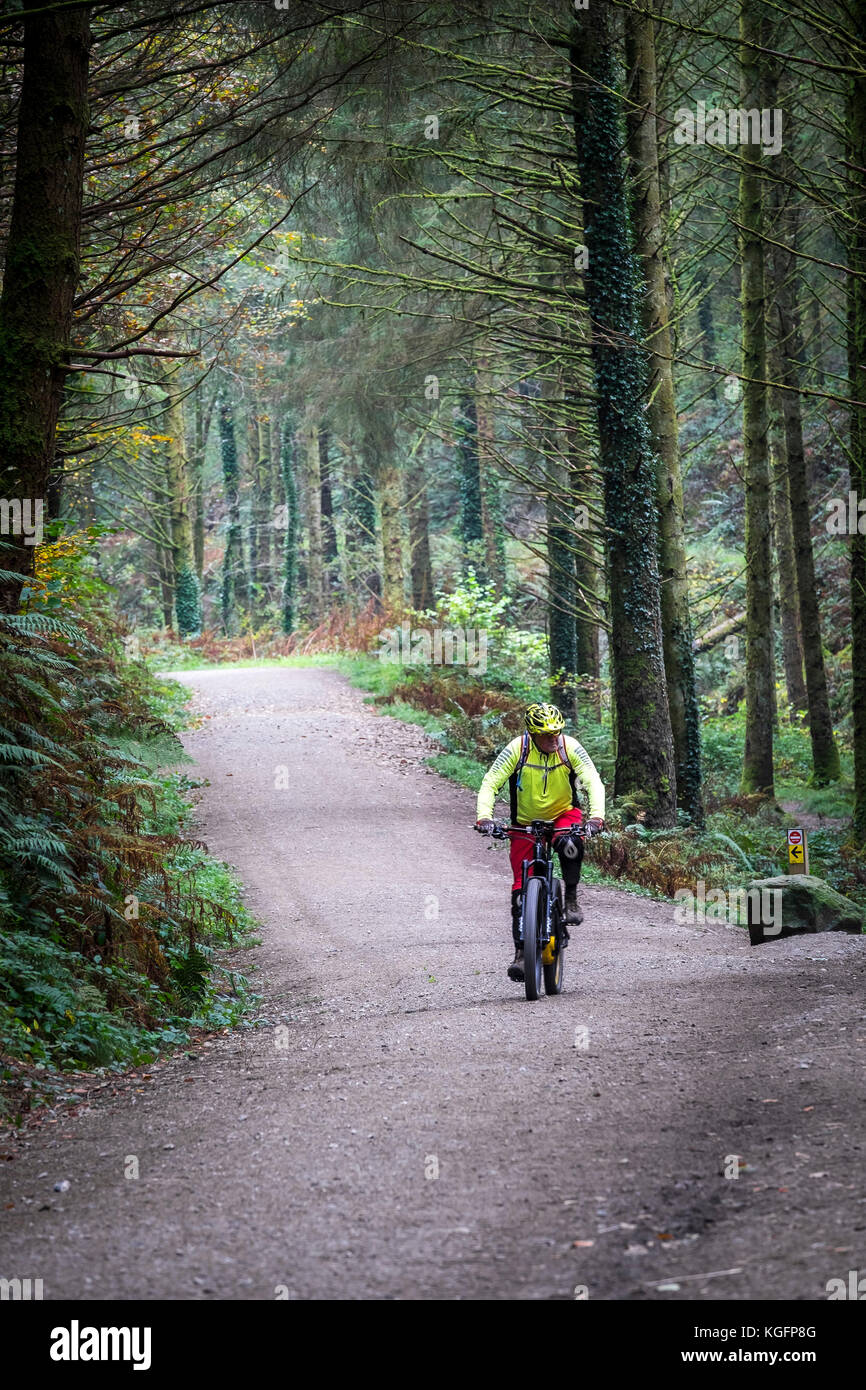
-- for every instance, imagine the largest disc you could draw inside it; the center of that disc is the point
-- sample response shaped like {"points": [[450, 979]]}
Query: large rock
{"points": [[808, 905]]}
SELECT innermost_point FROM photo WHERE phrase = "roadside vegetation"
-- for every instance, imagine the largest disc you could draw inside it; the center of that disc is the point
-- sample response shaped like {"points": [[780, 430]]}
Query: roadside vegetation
{"points": [[118, 930]]}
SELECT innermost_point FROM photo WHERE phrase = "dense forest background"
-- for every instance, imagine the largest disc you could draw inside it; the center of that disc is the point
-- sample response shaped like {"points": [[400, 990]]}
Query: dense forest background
{"points": [[323, 321]]}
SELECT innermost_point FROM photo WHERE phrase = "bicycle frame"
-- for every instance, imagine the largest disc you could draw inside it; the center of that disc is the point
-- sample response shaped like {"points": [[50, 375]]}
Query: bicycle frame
{"points": [[541, 865]]}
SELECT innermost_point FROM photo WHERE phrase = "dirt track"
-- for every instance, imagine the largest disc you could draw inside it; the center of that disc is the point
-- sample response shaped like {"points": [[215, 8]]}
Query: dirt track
{"points": [[299, 1155]]}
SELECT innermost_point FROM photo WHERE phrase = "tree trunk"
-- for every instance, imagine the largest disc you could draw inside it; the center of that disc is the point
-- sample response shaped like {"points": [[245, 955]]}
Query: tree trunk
{"points": [[757, 773], [419, 537], [315, 602], [187, 597], [561, 587], [290, 545], [234, 579], [165, 570], [197, 481], [469, 472], [367, 526], [645, 756], [856, 142], [789, 606], [42, 260], [662, 414], [588, 575], [785, 320], [265, 504], [491, 489], [329, 533]]}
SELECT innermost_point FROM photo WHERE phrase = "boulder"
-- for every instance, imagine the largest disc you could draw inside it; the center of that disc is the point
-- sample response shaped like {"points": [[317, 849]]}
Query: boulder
{"points": [[808, 905]]}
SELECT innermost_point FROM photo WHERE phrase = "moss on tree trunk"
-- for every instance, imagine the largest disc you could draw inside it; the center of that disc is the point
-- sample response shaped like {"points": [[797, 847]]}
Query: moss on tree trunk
{"points": [[644, 755], [857, 387], [757, 775], [662, 412]]}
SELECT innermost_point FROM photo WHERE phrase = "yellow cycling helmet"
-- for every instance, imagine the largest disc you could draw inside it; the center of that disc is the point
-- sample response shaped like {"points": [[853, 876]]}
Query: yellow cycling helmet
{"points": [[544, 719]]}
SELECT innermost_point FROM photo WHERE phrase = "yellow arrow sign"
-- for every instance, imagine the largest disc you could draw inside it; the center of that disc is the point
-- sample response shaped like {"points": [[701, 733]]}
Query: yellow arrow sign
{"points": [[795, 854]]}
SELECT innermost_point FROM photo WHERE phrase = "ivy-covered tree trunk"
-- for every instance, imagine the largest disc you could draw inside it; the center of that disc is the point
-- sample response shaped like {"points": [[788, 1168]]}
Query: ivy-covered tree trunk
{"points": [[234, 579], [757, 775], [265, 504], [856, 142], [196, 469], [662, 412], [644, 757], [329, 531], [290, 543], [783, 537], [785, 321], [588, 577], [41, 266], [187, 596], [561, 587]]}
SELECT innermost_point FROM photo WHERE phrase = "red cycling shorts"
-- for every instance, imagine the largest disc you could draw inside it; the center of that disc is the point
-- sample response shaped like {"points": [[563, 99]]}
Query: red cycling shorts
{"points": [[521, 845]]}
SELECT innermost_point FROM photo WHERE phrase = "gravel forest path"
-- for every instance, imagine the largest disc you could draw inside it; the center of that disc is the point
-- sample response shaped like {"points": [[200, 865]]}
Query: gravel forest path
{"points": [[401, 1123]]}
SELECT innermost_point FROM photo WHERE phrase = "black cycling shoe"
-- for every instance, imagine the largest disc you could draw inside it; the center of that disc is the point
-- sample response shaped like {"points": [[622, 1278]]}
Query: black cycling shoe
{"points": [[573, 913], [515, 969]]}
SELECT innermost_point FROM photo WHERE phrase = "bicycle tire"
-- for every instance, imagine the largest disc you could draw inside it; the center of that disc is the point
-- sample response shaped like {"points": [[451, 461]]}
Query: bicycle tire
{"points": [[553, 973], [534, 912]]}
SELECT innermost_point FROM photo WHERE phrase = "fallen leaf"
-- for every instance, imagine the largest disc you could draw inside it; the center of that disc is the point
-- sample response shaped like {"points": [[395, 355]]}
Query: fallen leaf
{"points": [[769, 1102], [582, 1244], [664, 1235]]}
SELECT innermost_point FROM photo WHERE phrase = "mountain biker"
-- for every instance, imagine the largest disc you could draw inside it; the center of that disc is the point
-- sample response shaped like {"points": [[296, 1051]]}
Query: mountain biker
{"points": [[542, 768]]}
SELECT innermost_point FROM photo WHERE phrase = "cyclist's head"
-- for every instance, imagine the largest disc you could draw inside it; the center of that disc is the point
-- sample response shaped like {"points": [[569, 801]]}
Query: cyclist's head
{"points": [[544, 719]]}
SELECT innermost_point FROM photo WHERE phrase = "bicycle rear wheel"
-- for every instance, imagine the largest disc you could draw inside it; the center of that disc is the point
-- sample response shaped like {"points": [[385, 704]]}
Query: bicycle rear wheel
{"points": [[553, 972], [534, 914]]}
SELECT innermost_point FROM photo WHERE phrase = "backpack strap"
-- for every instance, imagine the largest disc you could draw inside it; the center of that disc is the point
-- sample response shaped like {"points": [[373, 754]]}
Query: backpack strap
{"points": [[566, 762], [514, 779]]}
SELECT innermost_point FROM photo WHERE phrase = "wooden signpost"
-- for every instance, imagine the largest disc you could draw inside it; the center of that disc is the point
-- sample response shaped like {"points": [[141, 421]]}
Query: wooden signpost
{"points": [[798, 851]]}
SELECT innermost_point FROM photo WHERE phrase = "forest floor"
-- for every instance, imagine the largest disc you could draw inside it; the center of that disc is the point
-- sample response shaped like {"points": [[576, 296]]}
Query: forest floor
{"points": [[401, 1123]]}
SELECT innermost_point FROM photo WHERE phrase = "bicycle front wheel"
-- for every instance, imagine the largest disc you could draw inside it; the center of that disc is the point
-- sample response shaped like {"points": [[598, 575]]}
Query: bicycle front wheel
{"points": [[553, 972], [534, 919]]}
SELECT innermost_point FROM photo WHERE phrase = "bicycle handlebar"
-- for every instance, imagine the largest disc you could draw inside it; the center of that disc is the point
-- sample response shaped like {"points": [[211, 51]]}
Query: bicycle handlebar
{"points": [[503, 831]]}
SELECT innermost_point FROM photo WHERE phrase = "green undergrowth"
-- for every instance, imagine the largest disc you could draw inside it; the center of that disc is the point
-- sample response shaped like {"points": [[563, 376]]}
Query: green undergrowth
{"points": [[117, 928]]}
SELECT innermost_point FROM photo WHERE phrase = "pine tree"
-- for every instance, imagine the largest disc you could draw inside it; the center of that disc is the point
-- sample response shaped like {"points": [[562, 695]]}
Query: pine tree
{"points": [[290, 546], [234, 580], [662, 411], [757, 775], [645, 756]]}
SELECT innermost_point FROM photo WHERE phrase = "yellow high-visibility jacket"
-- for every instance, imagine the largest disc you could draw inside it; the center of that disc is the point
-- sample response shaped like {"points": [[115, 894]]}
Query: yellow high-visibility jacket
{"points": [[544, 785]]}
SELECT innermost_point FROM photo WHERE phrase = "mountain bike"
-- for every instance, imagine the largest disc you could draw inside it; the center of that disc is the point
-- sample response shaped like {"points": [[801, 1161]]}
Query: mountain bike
{"points": [[542, 907]]}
